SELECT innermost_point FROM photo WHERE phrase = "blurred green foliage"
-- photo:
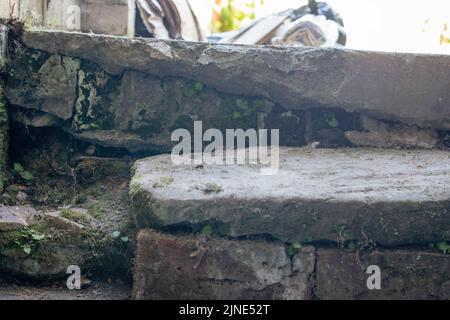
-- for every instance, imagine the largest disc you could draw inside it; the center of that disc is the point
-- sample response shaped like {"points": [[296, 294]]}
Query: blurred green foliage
{"points": [[232, 16], [445, 34]]}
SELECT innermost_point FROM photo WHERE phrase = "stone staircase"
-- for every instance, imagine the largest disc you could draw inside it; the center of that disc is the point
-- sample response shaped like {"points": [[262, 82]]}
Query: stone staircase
{"points": [[368, 202], [225, 231]]}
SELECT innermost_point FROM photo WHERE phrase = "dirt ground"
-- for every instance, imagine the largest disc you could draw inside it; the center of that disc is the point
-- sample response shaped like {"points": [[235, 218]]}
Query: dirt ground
{"points": [[11, 289]]}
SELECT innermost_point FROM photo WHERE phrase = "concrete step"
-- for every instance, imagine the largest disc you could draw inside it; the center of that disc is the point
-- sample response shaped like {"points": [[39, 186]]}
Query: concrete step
{"points": [[392, 197]]}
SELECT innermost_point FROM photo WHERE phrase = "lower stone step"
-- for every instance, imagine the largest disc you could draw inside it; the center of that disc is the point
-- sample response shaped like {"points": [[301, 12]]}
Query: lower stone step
{"points": [[392, 197], [199, 267], [181, 267]]}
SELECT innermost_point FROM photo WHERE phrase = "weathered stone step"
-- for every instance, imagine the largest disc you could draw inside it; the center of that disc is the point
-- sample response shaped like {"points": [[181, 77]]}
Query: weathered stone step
{"points": [[133, 93], [411, 88], [393, 197]]}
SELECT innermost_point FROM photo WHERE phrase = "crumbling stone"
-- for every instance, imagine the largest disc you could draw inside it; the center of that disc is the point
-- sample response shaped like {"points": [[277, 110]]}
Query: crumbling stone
{"points": [[411, 88], [134, 111], [379, 134], [35, 118], [393, 197], [52, 88], [41, 244], [44, 244], [116, 100]]}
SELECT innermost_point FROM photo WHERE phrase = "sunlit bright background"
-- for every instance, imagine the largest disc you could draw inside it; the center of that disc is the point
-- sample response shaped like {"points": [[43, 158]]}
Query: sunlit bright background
{"points": [[382, 25]]}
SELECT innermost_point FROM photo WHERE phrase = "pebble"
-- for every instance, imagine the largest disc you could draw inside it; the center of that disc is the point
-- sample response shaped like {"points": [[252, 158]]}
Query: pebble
{"points": [[21, 196], [90, 151]]}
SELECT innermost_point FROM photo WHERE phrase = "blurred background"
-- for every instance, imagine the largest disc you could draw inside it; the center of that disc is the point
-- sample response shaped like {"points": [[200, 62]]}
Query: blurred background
{"points": [[380, 25]]}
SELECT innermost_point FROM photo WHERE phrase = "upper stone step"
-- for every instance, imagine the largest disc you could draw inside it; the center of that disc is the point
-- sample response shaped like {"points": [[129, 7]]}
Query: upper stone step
{"points": [[393, 197], [411, 88]]}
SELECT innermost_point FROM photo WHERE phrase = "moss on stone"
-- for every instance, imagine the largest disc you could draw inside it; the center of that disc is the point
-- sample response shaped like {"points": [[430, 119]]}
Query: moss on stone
{"points": [[46, 248], [210, 188], [192, 89], [140, 210], [75, 216], [96, 92], [237, 112], [163, 182]]}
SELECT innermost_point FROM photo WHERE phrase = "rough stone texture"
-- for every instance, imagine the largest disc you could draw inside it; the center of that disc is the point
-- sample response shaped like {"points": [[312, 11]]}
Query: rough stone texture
{"points": [[408, 87], [34, 118], [139, 108], [393, 197], [169, 267], [52, 88], [405, 274], [378, 134], [44, 244], [135, 111]]}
